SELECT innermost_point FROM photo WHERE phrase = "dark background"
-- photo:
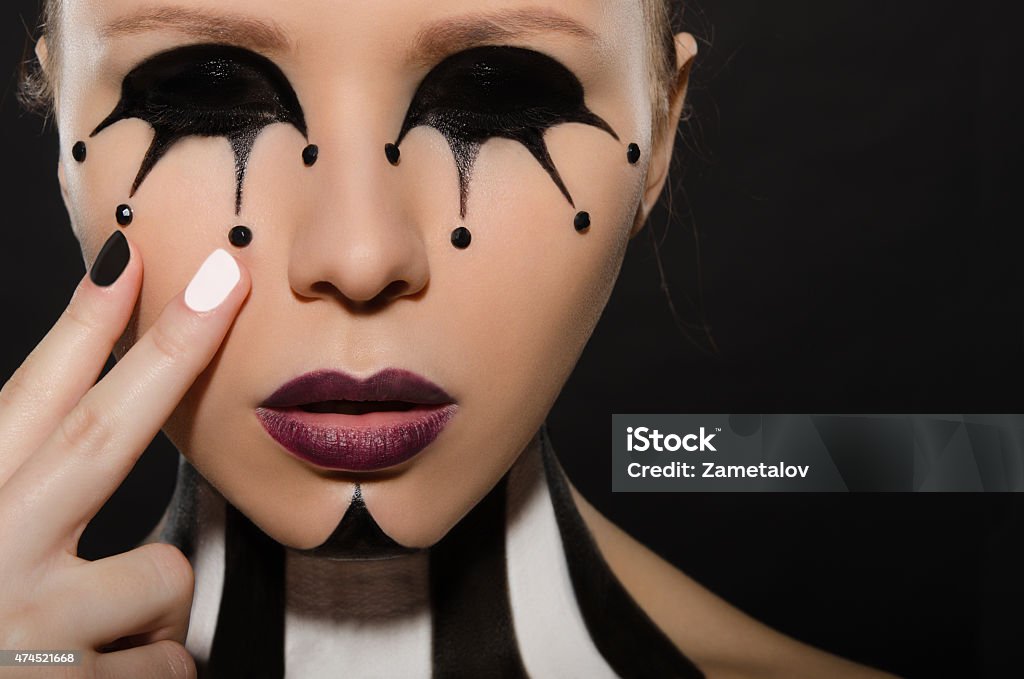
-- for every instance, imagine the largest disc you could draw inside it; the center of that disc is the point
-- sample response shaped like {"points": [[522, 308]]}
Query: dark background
{"points": [[844, 237]]}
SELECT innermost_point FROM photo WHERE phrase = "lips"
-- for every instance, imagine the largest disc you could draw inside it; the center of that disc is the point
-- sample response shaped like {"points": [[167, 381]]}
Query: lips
{"points": [[338, 421]]}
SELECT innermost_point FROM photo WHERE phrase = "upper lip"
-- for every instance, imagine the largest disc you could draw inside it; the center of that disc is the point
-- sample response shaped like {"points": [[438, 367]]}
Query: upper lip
{"points": [[389, 384]]}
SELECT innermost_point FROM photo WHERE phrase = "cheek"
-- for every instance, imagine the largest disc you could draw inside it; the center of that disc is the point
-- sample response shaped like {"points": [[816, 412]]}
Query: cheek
{"points": [[538, 284], [505, 318], [523, 299], [513, 311], [199, 168], [174, 235]]}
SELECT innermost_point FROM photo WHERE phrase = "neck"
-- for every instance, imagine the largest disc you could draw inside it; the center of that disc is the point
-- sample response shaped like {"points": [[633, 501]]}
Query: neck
{"points": [[517, 588]]}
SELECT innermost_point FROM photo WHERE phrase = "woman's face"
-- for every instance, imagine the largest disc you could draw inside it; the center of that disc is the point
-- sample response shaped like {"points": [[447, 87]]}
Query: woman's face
{"points": [[352, 263]]}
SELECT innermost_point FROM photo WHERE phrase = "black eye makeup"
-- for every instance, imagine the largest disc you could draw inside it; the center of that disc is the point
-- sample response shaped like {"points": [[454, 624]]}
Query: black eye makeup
{"points": [[208, 91], [498, 91]]}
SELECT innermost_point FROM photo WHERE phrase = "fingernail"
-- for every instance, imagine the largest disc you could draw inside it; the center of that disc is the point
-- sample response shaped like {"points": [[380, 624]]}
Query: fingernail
{"points": [[214, 281], [111, 261]]}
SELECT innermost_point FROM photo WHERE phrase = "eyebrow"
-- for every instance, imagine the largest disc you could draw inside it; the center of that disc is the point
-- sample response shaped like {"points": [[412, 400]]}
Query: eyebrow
{"points": [[232, 29], [446, 36], [431, 44]]}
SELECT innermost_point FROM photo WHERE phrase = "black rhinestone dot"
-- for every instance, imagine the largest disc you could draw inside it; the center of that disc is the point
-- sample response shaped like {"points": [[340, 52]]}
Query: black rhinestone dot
{"points": [[392, 152], [309, 154], [461, 237], [78, 151], [582, 221], [124, 215], [240, 236], [633, 154]]}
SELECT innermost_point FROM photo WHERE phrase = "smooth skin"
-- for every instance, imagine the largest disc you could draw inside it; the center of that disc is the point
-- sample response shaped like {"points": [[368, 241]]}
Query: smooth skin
{"points": [[350, 267]]}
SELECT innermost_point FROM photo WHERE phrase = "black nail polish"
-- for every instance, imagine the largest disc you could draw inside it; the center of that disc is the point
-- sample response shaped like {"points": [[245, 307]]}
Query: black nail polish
{"points": [[111, 261]]}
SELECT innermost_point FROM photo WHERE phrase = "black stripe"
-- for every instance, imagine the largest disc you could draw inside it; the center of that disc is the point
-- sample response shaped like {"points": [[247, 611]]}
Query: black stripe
{"points": [[472, 617], [183, 516], [358, 537], [624, 634], [249, 638]]}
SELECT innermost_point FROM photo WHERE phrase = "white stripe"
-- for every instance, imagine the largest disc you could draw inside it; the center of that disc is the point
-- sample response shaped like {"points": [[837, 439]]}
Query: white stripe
{"points": [[208, 565], [357, 618], [553, 639], [373, 618]]}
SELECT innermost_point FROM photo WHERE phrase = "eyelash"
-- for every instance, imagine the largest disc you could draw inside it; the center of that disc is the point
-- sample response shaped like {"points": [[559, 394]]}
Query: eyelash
{"points": [[181, 93], [470, 97], [498, 91]]}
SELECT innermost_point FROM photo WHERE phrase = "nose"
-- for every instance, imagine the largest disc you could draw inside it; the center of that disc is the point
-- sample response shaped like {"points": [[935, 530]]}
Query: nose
{"points": [[360, 244]]}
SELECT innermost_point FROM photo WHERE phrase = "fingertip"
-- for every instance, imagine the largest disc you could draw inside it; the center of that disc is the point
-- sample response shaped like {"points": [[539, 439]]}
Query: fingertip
{"points": [[111, 261], [114, 274], [245, 279], [244, 284], [220, 278]]}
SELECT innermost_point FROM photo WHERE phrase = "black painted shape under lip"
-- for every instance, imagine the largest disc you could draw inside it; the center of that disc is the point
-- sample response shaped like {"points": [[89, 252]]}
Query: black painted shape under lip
{"points": [[358, 537], [499, 91], [210, 91]]}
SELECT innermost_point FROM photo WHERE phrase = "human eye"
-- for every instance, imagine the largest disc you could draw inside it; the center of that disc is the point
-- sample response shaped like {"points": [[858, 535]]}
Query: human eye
{"points": [[499, 91], [206, 90]]}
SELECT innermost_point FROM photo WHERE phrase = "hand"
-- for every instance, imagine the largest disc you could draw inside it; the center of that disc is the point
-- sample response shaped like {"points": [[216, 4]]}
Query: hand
{"points": [[67, 442]]}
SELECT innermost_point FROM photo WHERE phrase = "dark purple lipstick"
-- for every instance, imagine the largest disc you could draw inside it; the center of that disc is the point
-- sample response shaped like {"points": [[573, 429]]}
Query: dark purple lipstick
{"points": [[338, 421]]}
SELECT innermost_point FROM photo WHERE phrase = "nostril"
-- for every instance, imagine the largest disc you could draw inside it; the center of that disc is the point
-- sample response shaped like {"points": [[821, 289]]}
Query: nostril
{"points": [[394, 289], [387, 294]]}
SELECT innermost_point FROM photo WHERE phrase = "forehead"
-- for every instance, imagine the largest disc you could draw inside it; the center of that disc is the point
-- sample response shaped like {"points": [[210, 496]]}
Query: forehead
{"points": [[339, 50], [272, 25]]}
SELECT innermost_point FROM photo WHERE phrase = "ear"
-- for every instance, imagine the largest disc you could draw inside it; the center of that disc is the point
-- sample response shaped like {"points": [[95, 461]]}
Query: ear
{"points": [[43, 56], [41, 51], [62, 179], [664, 139]]}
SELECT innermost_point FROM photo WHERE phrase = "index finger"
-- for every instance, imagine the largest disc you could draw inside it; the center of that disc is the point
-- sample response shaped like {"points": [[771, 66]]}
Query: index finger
{"points": [[67, 361], [96, 445]]}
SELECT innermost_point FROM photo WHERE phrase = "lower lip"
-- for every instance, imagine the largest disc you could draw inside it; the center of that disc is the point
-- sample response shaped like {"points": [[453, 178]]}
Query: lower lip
{"points": [[367, 442]]}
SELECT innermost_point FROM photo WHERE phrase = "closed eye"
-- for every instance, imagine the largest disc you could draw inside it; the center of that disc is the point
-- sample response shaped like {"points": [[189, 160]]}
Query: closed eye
{"points": [[499, 91], [206, 90]]}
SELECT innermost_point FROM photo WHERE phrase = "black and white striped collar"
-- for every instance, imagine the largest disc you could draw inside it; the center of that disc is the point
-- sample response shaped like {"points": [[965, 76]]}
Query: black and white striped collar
{"points": [[518, 588]]}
